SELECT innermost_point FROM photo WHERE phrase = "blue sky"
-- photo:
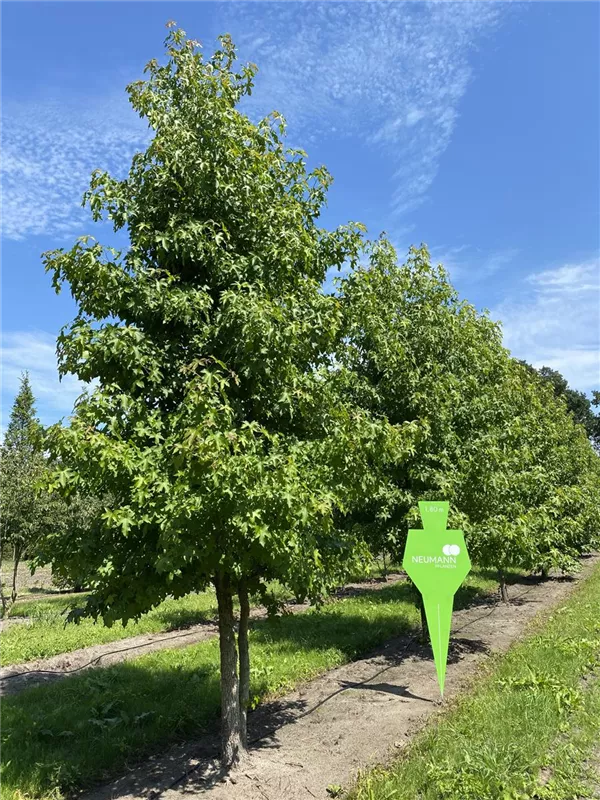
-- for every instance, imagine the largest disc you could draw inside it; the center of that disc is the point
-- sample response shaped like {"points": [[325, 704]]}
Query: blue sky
{"points": [[470, 126]]}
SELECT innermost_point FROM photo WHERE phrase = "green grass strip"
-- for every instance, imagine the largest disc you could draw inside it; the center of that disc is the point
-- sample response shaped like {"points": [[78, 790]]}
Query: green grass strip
{"points": [[47, 635], [526, 730], [37, 607], [86, 728]]}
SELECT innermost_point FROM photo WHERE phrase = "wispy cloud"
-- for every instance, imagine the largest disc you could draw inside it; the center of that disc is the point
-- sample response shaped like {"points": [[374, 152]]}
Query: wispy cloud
{"points": [[389, 73], [556, 321], [49, 151], [35, 351], [473, 264]]}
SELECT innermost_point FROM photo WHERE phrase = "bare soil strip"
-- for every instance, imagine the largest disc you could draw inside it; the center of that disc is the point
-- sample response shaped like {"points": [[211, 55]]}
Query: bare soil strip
{"points": [[17, 677], [595, 763], [41, 579], [8, 623], [353, 717]]}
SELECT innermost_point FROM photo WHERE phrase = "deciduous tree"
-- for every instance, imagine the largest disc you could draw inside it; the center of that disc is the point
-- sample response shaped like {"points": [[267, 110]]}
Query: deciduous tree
{"points": [[217, 425], [26, 511]]}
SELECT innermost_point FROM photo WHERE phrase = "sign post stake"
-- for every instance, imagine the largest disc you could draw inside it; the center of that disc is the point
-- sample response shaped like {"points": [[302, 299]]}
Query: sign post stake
{"points": [[437, 562]]}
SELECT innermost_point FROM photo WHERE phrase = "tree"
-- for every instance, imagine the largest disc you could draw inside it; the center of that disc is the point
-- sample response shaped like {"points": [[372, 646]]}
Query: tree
{"points": [[493, 440], [24, 434], [519, 472], [25, 509], [80, 520], [595, 434], [217, 425], [577, 403], [418, 356]]}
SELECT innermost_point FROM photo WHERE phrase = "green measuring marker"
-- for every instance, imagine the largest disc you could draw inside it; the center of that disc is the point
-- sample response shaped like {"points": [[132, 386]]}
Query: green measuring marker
{"points": [[437, 562]]}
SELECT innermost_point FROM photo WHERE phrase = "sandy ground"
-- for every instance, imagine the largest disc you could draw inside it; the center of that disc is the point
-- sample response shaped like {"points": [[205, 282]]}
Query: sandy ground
{"points": [[26, 582], [595, 763], [17, 677], [352, 717]]}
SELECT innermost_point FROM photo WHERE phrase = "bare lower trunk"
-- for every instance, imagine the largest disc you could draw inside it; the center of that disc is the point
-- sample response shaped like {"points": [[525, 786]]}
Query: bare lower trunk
{"points": [[424, 628], [503, 586], [17, 557], [244, 660], [231, 739], [385, 573], [3, 597]]}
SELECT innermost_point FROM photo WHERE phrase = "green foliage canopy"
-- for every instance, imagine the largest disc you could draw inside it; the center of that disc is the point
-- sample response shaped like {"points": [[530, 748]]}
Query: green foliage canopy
{"points": [[217, 425], [27, 512], [521, 477]]}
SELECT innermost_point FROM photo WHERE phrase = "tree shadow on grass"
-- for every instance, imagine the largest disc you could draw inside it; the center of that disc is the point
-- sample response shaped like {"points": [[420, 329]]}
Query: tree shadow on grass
{"points": [[510, 576], [94, 725], [368, 585], [179, 619], [90, 726], [24, 594]]}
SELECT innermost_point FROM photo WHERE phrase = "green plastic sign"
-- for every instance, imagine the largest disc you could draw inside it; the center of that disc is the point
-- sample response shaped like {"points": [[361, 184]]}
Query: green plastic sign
{"points": [[437, 562]]}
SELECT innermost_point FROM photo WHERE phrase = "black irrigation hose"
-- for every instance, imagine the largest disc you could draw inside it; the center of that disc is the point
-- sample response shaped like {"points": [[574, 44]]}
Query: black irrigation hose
{"points": [[322, 702], [98, 658], [306, 713]]}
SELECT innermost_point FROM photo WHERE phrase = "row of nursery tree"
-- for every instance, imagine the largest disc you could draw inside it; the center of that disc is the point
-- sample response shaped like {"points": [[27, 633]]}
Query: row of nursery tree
{"points": [[248, 425], [28, 511]]}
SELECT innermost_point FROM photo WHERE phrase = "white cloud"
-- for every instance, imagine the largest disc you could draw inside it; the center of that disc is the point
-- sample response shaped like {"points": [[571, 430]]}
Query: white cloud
{"points": [[35, 351], [50, 149], [570, 278], [556, 321], [389, 73], [470, 264], [450, 258]]}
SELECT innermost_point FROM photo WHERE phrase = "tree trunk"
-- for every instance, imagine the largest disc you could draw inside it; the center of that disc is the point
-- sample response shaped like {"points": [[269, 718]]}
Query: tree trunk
{"points": [[385, 574], [244, 660], [231, 741], [3, 597], [424, 628], [503, 586], [17, 557]]}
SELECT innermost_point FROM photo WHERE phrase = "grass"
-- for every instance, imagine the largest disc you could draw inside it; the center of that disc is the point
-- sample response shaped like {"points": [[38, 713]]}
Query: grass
{"points": [[527, 730], [48, 634], [65, 736], [36, 608]]}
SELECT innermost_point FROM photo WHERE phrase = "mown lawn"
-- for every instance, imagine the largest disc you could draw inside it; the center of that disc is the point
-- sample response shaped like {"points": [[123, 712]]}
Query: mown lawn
{"points": [[527, 730], [48, 634], [65, 736]]}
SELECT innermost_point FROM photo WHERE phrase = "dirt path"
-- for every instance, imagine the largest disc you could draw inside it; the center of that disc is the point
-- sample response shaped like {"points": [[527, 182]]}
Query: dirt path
{"points": [[595, 764], [26, 582], [17, 677], [352, 717]]}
